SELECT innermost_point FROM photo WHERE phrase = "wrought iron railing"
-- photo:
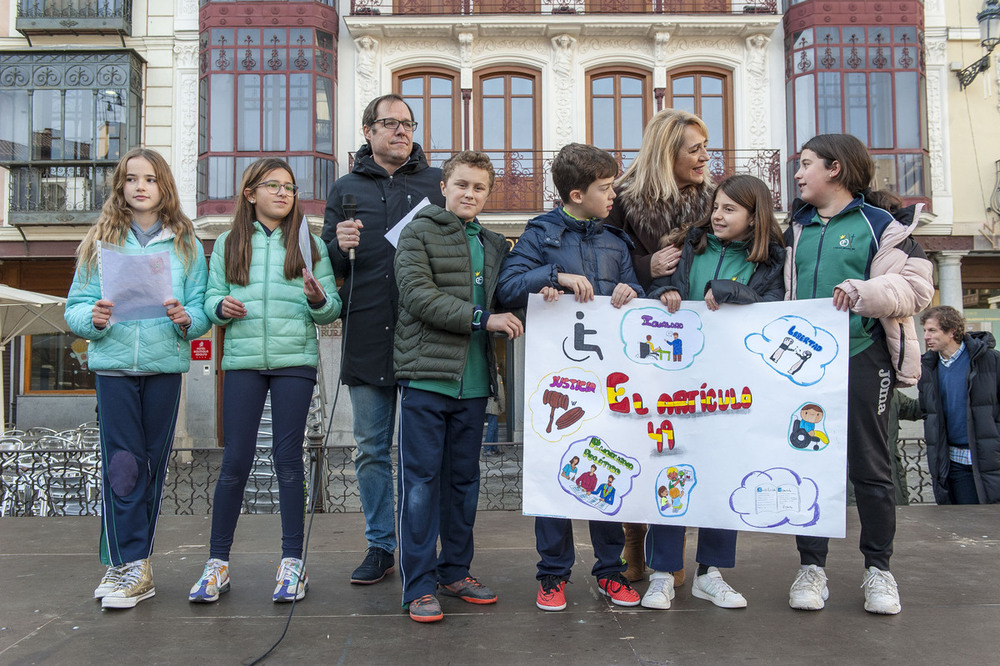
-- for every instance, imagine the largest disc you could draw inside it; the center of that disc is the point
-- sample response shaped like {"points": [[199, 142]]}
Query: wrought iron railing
{"points": [[66, 481], [524, 177], [51, 16], [58, 191], [471, 7], [75, 8]]}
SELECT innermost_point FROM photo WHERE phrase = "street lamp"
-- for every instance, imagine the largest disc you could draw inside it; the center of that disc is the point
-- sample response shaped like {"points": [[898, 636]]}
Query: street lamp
{"points": [[989, 31]]}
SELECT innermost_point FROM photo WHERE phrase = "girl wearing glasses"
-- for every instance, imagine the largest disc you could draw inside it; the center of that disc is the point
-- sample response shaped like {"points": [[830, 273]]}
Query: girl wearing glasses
{"points": [[138, 364], [260, 290]]}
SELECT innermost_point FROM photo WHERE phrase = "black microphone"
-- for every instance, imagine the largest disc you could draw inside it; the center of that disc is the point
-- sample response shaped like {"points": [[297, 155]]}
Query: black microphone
{"points": [[350, 205]]}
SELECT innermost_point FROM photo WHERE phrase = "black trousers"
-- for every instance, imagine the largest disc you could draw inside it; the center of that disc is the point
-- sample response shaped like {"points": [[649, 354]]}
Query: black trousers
{"points": [[870, 378]]}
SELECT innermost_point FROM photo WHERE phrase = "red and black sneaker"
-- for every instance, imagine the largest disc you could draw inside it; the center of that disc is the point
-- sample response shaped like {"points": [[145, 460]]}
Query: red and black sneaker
{"points": [[551, 593], [619, 589]]}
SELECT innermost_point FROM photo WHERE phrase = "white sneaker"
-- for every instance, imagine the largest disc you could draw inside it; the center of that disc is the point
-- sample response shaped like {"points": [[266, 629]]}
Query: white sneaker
{"points": [[809, 591], [881, 593], [660, 591], [293, 582], [109, 581], [213, 582], [710, 586]]}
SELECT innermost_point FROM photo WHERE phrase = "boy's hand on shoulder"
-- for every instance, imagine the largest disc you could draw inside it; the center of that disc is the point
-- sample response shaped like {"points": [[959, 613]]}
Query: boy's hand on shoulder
{"points": [[672, 299], [550, 294], [505, 322], [622, 294], [579, 285]]}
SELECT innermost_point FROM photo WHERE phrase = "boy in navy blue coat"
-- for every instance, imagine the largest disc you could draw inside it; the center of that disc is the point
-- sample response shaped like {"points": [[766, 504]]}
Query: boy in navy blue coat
{"points": [[569, 248]]}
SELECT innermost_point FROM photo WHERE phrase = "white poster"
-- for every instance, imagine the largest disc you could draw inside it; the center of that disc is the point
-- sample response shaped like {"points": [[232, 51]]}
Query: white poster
{"points": [[138, 284], [732, 419]]}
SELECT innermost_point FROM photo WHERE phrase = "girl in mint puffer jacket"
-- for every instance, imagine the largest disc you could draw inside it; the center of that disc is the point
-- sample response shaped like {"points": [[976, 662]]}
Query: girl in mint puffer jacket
{"points": [[138, 364], [260, 289]]}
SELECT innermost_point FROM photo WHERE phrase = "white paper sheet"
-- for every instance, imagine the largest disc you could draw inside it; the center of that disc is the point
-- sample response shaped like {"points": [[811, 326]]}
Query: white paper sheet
{"points": [[305, 244], [393, 234], [137, 284]]}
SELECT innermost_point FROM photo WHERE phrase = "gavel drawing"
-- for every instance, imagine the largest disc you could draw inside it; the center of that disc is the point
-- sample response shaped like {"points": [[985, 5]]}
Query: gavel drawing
{"points": [[554, 399]]}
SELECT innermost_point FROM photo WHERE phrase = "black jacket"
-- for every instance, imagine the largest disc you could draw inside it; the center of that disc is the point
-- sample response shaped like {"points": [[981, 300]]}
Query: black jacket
{"points": [[766, 284], [370, 314], [983, 416]]}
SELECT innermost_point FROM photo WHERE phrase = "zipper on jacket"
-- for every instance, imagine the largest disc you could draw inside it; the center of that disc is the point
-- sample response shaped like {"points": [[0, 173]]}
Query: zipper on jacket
{"points": [[902, 347], [819, 254], [135, 352], [718, 266], [267, 285]]}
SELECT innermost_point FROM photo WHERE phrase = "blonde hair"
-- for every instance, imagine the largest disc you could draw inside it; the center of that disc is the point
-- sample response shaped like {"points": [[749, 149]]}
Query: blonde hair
{"points": [[113, 225], [650, 179]]}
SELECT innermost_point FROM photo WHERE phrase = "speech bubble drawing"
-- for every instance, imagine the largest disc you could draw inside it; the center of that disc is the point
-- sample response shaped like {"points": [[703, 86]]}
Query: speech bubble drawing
{"points": [[563, 401], [775, 497], [673, 490], [653, 336], [597, 475], [794, 348]]}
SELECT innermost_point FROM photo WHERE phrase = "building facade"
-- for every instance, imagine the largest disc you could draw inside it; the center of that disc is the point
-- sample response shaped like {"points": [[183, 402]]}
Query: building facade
{"points": [[216, 85]]}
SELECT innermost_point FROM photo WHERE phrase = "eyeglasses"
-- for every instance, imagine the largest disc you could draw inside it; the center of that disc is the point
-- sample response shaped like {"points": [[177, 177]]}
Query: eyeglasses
{"points": [[274, 187], [393, 124]]}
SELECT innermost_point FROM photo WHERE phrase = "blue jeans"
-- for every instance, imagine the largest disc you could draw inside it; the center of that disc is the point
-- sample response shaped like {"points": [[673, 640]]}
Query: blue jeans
{"points": [[243, 396], [962, 484], [374, 415], [492, 429]]}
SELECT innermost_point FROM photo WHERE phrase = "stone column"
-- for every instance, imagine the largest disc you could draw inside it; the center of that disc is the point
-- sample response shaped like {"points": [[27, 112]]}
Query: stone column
{"points": [[950, 278]]}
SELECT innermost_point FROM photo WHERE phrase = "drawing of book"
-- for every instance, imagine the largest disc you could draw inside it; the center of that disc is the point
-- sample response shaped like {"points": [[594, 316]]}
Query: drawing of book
{"points": [[771, 498]]}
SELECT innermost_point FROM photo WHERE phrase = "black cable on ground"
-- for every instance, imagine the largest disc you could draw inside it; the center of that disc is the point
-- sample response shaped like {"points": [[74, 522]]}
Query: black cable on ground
{"points": [[313, 489]]}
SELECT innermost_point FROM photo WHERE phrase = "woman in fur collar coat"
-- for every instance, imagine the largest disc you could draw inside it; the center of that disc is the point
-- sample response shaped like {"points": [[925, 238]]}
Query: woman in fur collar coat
{"points": [[665, 190]]}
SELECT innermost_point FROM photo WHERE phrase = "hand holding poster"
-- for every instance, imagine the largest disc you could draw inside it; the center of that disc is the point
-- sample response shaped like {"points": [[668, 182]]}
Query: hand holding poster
{"points": [[138, 284], [732, 419]]}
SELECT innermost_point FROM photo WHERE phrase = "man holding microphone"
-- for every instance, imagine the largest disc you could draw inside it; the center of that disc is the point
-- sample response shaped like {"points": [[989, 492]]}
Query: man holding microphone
{"points": [[390, 177]]}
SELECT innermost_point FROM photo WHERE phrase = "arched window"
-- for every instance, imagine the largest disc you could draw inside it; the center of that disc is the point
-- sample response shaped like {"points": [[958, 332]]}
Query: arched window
{"points": [[508, 130], [433, 94], [618, 108], [706, 92]]}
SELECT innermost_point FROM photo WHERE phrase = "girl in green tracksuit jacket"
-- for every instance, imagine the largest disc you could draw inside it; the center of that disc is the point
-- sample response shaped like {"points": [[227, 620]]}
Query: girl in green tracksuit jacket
{"points": [[734, 255], [260, 290]]}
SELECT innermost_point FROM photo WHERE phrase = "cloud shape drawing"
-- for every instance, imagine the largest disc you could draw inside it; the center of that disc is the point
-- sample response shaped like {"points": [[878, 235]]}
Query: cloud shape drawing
{"points": [[584, 472], [563, 401], [648, 337], [673, 490], [776, 497], [794, 348]]}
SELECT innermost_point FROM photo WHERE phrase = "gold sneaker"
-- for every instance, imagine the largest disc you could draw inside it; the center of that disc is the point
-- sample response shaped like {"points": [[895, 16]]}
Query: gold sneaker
{"points": [[135, 585]]}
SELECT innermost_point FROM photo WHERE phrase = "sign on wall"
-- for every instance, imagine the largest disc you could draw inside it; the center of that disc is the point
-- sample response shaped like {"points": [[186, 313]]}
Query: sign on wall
{"points": [[733, 419]]}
